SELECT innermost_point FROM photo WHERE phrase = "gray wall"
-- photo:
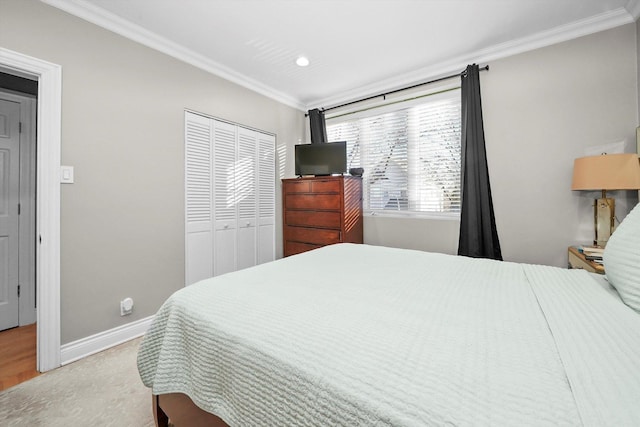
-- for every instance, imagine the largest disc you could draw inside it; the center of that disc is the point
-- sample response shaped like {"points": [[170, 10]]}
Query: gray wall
{"points": [[122, 222], [541, 110]]}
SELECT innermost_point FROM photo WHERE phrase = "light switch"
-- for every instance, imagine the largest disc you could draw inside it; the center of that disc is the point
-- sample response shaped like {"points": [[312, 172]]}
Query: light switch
{"points": [[66, 174]]}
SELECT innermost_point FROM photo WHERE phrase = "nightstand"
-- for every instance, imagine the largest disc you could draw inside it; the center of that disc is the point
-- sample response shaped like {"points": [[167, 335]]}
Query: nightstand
{"points": [[578, 260]]}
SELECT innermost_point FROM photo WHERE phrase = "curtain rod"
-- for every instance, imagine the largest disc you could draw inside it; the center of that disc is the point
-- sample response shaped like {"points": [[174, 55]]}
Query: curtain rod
{"points": [[485, 68]]}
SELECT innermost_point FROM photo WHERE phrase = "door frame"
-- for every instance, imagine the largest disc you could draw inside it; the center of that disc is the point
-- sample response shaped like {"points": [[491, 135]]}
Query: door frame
{"points": [[49, 77]]}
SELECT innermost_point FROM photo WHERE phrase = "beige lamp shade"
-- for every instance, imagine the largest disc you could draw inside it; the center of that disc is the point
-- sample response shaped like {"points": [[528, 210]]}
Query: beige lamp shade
{"points": [[606, 172]]}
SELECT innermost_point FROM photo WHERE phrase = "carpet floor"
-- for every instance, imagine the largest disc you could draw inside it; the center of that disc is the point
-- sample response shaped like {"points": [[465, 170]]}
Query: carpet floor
{"points": [[100, 390]]}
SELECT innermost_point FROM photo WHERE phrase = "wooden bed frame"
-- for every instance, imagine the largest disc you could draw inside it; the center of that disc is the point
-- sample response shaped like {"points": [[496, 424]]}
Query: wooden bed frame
{"points": [[180, 409]]}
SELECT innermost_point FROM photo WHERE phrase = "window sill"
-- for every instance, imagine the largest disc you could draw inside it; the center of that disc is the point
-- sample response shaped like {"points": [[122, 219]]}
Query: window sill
{"points": [[414, 215]]}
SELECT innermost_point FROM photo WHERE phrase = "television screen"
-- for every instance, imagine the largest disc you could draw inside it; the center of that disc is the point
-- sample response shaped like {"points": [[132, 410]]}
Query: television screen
{"points": [[321, 159]]}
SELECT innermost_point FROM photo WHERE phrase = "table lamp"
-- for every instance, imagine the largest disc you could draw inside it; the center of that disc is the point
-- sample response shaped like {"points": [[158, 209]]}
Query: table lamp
{"points": [[606, 172]]}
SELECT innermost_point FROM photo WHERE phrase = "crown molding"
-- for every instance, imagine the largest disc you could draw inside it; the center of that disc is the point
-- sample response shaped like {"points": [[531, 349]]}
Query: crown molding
{"points": [[633, 6], [114, 23], [127, 29], [604, 21]]}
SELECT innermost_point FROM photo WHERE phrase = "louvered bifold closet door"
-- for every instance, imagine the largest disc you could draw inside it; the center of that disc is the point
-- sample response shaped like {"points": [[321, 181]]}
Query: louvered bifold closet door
{"points": [[198, 203], [246, 182], [225, 197], [266, 198]]}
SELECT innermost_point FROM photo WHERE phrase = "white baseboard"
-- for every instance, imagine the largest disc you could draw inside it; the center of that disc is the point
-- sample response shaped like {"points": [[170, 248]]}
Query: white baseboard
{"points": [[84, 347]]}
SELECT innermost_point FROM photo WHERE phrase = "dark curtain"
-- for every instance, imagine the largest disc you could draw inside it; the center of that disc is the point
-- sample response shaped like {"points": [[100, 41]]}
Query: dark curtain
{"points": [[478, 233], [317, 126]]}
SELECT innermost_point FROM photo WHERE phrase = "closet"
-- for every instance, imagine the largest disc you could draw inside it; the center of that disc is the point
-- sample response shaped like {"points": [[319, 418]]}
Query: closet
{"points": [[230, 197]]}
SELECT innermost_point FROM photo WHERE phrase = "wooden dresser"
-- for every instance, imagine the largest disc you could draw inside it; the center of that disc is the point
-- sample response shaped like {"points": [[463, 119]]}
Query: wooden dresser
{"points": [[321, 211]]}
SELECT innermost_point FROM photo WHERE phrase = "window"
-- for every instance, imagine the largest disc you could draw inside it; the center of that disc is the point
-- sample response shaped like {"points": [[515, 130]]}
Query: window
{"points": [[410, 155]]}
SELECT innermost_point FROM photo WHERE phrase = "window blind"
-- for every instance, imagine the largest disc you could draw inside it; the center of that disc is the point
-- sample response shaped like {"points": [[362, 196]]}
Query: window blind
{"points": [[411, 155]]}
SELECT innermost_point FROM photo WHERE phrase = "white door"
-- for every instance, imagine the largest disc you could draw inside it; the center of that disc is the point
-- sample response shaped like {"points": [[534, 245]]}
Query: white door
{"points": [[225, 198], [246, 194], [9, 197], [198, 215], [266, 250]]}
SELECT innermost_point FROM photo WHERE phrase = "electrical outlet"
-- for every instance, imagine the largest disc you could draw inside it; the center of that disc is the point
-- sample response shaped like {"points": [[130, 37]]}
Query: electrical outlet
{"points": [[126, 306]]}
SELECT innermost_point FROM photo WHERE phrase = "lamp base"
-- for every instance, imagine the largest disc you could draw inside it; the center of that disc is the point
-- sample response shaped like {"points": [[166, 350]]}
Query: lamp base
{"points": [[604, 212]]}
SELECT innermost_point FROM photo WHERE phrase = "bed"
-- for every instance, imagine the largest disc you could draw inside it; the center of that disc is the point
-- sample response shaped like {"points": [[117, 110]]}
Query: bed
{"points": [[359, 335]]}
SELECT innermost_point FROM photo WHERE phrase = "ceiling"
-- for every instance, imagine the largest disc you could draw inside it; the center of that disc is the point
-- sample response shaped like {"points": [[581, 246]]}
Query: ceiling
{"points": [[356, 48]]}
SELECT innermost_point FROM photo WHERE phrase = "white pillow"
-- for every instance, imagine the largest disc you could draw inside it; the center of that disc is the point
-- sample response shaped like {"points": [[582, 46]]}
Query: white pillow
{"points": [[622, 259]]}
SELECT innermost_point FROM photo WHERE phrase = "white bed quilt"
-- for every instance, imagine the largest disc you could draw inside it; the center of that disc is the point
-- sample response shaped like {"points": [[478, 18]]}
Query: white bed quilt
{"points": [[357, 335]]}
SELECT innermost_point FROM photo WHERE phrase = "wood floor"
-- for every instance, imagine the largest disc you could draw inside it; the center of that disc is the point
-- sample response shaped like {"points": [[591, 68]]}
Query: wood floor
{"points": [[17, 355]]}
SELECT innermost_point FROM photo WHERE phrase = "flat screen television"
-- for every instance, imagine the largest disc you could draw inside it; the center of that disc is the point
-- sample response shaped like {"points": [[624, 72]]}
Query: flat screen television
{"points": [[321, 159]]}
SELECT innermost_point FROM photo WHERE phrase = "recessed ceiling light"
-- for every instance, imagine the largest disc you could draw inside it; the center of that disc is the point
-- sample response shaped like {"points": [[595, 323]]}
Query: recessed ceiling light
{"points": [[302, 61]]}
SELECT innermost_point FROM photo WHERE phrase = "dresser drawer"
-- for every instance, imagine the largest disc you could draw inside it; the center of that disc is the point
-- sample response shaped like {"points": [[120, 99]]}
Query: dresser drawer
{"points": [[313, 201], [316, 236], [332, 186], [294, 186], [292, 248], [326, 219]]}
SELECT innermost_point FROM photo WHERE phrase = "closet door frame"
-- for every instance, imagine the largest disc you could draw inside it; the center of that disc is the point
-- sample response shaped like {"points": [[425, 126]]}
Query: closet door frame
{"points": [[213, 247]]}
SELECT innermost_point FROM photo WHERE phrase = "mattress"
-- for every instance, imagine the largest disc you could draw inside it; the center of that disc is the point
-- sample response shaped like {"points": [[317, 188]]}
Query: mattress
{"points": [[358, 335]]}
